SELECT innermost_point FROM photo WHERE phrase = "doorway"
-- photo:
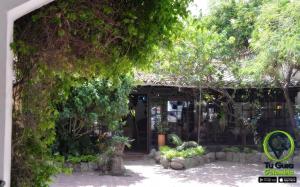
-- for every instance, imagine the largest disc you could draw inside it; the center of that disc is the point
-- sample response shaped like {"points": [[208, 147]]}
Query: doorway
{"points": [[136, 127]]}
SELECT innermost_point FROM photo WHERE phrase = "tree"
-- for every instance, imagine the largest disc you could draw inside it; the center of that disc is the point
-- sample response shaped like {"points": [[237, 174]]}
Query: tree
{"points": [[77, 40], [276, 43], [234, 20], [211, 50], [96, 104]]}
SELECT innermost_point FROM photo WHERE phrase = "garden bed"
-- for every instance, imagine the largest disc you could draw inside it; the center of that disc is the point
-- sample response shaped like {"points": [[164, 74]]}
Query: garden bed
{"points": [[82, 166], [180, 163], [82, 163]]}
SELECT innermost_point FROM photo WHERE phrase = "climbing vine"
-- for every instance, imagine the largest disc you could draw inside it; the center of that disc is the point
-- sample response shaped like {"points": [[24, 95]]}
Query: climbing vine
{"points": [[65, 44]]}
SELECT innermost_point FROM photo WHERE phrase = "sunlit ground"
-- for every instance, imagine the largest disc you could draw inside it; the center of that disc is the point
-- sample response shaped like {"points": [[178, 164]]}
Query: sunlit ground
{"points": [[146, 173]]}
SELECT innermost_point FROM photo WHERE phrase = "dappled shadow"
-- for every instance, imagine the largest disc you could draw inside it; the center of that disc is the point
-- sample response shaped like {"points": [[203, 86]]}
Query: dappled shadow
{"points": [[145, 172], [219, 173], [212, 174], [94, 179]]}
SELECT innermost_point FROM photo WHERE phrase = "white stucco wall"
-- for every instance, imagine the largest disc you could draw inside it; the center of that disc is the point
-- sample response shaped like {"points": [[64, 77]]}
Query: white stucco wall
{"points": [[10, 10]]}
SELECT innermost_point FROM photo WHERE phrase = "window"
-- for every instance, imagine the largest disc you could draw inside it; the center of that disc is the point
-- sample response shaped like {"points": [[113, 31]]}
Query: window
{"points": [[175, 109], [155, 116]]}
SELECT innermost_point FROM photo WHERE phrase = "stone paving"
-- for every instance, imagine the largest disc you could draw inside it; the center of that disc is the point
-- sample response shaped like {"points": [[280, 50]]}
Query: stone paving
{"points": [[147, 173]]}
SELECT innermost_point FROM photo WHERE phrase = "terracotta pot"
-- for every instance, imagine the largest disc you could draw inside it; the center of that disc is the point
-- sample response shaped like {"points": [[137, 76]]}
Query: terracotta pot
{"points": [[161, 140]]}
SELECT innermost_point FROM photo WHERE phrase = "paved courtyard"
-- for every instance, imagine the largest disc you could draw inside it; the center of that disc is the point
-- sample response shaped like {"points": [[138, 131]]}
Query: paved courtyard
{"points": [[147, 173]]}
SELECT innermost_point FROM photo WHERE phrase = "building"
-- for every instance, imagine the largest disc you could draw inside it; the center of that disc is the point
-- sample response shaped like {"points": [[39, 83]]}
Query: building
{"points": [[254, 112]]}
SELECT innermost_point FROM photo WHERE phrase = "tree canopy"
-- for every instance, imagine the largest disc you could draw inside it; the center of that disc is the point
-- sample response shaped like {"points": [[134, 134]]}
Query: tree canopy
{"points": [[276, 40], [65, 44], [62, 49], [96, 104], [276, 43], [212, 48], [238, 44]]}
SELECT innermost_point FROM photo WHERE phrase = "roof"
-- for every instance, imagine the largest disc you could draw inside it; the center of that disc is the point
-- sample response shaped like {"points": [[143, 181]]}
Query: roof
{"points": [[154, 79]]}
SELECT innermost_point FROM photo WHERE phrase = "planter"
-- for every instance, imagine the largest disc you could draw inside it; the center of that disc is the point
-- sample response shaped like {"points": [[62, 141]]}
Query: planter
{"points": [[117, 164], [179, 163], [220, 156], [229, 156], [157, 157], [82, 166], [119, 149], [164, 162], [161, 140]]}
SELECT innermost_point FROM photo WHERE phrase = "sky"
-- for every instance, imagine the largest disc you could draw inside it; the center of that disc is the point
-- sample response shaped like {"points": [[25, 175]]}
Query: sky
{"points": [[198, 5]]}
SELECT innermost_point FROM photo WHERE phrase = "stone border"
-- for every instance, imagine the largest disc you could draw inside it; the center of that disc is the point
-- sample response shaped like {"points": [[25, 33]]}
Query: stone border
{"points": [[115, 169], [240, 157], [82, 166]]}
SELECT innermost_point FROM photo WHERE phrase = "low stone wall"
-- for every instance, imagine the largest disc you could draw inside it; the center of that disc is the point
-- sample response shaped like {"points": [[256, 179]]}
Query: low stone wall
{"points": [[83, 166], [185, 163], [116, 167]]}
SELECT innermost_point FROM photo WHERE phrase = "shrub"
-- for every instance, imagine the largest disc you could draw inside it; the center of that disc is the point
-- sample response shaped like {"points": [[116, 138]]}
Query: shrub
{"points": [[232, 149], [75, 39], [237, 149], [121, 139], [186, 145], [96, 104], [174, 139], [189, 152], [164, 148], [82, 158]]}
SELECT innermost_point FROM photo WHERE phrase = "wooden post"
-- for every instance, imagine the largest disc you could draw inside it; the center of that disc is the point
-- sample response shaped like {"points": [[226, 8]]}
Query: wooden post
{"points": [[199, 104]]}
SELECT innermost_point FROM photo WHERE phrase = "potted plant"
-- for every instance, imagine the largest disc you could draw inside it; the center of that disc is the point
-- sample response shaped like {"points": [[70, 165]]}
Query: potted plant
{"points": [[119, 143], [162, 128]]}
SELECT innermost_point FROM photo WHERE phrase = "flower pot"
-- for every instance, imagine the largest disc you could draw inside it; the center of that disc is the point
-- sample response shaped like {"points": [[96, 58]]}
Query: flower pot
{"points": [[161, 140]]}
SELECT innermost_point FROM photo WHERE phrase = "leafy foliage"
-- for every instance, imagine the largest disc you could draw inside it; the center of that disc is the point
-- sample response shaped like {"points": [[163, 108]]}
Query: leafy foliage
{"points": [[173, 138], [121, 139], [210, 53], [212, 48], [276, 38], [82, 158], [173, 153], [276, 46], [61, 46], [238, 149], [96, 104], [235, 21], [187, 145], [232, 149], [162, 127]]}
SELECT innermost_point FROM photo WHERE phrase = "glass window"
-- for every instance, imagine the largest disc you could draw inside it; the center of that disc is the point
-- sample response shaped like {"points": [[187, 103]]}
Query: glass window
{"points": [[175, 109], [155, 116]]}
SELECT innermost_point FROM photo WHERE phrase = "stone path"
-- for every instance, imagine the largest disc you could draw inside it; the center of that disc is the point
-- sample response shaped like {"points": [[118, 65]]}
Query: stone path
{"points": [[146, 173]]}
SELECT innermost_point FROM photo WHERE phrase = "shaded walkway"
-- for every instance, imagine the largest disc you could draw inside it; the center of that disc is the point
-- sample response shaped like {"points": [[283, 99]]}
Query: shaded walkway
{"points": [[147, 173]]}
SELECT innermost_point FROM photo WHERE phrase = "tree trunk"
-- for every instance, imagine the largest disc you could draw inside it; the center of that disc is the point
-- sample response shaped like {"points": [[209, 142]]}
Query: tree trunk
{"points": [[244, 137], [289, 103], [290, 107], [199, 114]]}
